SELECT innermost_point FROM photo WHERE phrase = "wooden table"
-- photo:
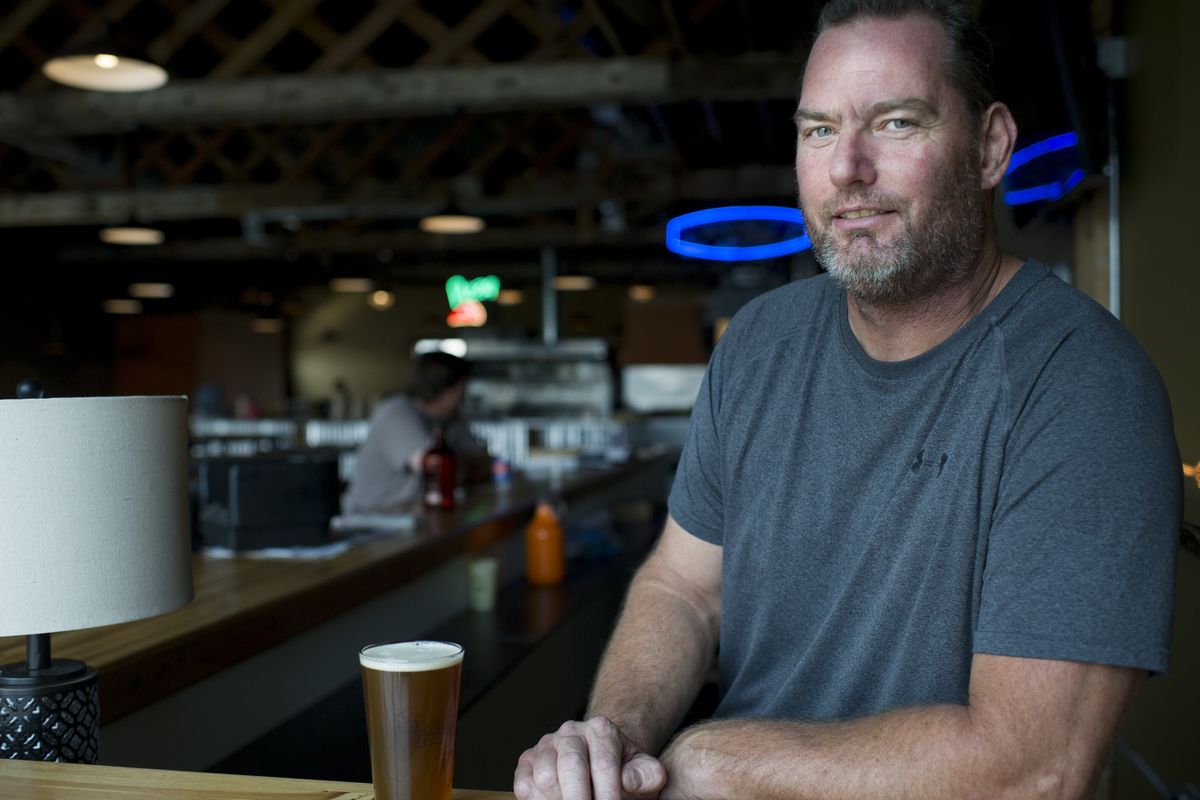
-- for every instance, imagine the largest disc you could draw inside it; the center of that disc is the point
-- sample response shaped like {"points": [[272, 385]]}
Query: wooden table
{"points": [[33, 780], [243, 606]]}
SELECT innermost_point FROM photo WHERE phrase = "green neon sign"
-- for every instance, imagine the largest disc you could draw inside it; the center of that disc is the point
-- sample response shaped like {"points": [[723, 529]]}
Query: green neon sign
{"points": [[459, 290]]}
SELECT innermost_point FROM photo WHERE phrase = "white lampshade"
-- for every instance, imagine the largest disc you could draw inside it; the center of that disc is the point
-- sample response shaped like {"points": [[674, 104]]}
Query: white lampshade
{"points": [[94, 526]]}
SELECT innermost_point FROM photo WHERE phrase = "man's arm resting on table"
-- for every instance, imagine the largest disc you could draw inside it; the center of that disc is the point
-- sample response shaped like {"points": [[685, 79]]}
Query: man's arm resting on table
{"points": [[653, 668], [1034, 728]]}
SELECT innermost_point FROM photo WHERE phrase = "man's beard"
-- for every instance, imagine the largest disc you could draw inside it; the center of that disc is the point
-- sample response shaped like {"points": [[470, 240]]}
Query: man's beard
{"points": [[931, 253]]}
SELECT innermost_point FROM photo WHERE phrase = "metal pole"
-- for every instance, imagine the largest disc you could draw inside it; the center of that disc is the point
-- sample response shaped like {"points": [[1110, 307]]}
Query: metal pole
{"points": [[1114, 208], [549, 297]]}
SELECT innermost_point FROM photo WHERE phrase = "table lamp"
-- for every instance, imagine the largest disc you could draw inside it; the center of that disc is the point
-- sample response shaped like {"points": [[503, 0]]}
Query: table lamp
{"points": [[93, 531]]}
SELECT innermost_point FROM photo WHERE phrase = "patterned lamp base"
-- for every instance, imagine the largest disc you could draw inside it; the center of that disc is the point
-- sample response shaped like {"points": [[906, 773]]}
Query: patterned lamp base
{"points": [[51, 716]]}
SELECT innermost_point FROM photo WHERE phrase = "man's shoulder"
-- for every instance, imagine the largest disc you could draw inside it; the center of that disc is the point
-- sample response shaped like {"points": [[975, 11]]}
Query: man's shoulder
{"points": [[1052, 308], [1054, 322]]}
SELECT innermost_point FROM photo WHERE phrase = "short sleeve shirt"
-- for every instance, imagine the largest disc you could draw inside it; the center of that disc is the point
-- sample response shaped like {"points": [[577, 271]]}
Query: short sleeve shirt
{"points": [[1015, 491]]}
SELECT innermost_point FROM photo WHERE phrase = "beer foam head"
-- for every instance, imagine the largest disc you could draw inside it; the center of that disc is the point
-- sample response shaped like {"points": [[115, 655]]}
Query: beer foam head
{"points": [[410, 656]]}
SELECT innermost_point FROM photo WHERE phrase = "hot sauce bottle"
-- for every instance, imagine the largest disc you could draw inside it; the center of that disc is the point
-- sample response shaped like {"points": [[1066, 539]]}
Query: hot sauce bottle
{"points": [[439, 469], [545, 560]]}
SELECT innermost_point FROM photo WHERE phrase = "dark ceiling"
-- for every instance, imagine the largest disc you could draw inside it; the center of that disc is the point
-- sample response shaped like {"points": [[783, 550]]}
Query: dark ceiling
{"points": [[299, 140]]}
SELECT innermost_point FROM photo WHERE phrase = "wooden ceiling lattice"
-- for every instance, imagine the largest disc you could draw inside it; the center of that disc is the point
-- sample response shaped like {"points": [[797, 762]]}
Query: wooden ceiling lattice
{"points": [[326, 128], [270, 36]]}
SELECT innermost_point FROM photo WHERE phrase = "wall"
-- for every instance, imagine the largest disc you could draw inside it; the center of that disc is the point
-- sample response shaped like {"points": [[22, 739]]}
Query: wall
{"points": [[1160, 286], [340, 338], [177, 353]]}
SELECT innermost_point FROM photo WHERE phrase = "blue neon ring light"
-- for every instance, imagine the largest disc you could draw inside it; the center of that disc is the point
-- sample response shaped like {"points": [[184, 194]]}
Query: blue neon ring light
{"points": [[1045, 191], [677, 244]]}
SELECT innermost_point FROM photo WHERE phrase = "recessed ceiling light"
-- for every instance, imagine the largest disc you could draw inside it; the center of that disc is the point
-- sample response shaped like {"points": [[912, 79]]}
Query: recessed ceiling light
{"points": [[152, 291], [381, 299], [641, 293], [574, 283], [454, 224], [137, 235]]}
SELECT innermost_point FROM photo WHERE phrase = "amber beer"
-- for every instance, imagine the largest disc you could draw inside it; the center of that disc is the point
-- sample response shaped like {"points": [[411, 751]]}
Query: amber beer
{"points": [[411, 693]]}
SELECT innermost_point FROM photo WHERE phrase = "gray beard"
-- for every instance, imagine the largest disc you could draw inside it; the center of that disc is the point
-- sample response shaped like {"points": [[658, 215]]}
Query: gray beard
{"points": [[939, 253]]}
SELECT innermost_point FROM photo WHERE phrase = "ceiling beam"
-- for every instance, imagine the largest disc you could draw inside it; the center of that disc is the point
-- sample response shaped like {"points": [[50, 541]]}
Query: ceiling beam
{"points": [[383, 94], [408, 243], [379, 201]]}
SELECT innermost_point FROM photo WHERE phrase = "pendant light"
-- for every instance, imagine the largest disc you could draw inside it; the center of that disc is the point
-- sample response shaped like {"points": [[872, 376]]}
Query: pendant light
{"points": [[453, 221], [109, 63], [132, 235]]}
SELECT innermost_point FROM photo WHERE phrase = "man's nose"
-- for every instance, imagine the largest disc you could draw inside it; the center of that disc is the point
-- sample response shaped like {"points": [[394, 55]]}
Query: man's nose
{"points": [[852, 161]]}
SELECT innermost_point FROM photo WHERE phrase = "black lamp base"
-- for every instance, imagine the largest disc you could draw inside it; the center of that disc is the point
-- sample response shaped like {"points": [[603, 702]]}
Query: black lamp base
{"points": [[50, 714]]}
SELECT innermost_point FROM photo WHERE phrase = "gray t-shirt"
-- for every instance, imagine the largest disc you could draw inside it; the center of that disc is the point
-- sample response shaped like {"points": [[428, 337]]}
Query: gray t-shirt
{"points": [[382, 476], [1013, 491]]}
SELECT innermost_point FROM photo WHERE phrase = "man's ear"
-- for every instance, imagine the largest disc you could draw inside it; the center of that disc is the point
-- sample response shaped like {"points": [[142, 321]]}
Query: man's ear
{"points": [[997, 137]]}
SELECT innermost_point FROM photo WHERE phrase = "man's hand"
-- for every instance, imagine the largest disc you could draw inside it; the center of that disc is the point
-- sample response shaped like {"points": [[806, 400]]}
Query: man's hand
{"points": [[591, 760]]}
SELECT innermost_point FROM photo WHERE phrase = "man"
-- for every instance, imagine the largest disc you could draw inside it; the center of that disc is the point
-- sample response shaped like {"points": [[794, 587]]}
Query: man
{"points": [[928, 504], [387, 471]]}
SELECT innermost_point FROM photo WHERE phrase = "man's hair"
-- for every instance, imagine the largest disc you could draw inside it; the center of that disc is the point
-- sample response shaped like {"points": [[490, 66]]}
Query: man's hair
{"points": [[434, 373], [970, 52]]}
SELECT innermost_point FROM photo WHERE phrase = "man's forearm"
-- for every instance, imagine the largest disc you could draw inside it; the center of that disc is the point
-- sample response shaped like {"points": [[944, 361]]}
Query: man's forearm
{"points": [[1034, 728], [926, 753], [919, 753], [656, 661]]}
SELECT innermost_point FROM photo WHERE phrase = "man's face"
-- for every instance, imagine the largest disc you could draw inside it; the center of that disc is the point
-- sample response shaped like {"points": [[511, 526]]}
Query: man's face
{"points": [[886, 162]]}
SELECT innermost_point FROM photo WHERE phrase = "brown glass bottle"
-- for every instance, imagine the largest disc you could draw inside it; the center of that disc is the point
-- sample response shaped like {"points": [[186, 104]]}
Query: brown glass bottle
{"points": [[439, 469]]}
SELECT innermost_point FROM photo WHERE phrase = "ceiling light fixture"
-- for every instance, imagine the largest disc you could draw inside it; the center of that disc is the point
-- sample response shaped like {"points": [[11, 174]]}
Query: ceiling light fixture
{"points": [[105, 64], [641, 293], [381, 299], [1046, 191], [133, 235], [151, 291], [574, 283], [737, 252], [452, 224], [452, 221]]}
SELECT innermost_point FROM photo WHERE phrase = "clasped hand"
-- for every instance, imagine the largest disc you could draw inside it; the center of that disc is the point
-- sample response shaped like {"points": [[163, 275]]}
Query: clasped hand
{"points": [[592, 760]]}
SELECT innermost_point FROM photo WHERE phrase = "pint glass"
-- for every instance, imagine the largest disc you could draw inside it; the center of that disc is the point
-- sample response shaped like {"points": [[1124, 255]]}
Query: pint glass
{"points": [[411, 693]]}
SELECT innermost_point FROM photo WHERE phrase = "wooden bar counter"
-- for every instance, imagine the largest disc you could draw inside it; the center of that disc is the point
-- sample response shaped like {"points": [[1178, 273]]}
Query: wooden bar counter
{"points": [[247, 610], [27, 780]]}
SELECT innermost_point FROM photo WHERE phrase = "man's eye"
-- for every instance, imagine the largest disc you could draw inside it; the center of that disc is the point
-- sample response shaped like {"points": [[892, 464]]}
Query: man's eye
{"points": [[820, 132], [898, 124]]}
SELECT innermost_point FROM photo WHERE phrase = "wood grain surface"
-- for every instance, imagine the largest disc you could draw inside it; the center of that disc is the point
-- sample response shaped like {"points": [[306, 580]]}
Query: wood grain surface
{"points": [[244, 605], [34, 780]]}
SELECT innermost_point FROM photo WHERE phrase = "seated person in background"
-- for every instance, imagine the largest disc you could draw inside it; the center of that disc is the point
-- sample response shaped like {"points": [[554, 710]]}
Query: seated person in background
{"points": [[388, 469]]}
